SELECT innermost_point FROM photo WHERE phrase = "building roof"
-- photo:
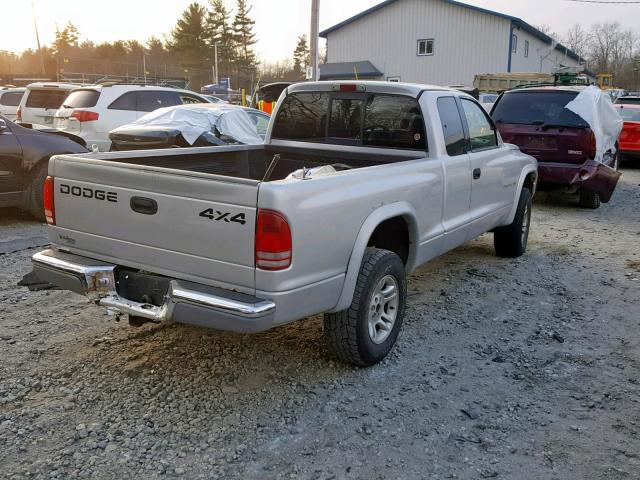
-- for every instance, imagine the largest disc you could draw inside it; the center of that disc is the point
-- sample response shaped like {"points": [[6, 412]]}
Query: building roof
{"points": [[518, 22], [361, 69]]}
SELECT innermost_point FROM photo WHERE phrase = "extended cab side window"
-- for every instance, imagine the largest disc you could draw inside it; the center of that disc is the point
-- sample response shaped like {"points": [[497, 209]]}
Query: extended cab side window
{"points": [[394, 122], [482, 134], [451, 126]]}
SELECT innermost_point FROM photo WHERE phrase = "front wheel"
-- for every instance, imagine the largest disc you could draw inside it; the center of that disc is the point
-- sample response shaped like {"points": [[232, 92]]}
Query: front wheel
{"points": [[511, 240], [366, 332]]}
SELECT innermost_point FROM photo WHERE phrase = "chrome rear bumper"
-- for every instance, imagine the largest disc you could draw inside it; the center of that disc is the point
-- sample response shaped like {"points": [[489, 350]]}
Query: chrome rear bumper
{"points": [[184, 302]]}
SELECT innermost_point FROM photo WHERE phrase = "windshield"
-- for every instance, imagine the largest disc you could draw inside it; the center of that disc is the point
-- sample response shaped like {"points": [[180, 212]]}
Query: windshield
{"points": [[630, 114], [537, 108], [628, 101]]}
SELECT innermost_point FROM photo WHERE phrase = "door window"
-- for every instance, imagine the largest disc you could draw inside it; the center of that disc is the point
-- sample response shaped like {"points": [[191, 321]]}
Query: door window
{"points": [[451, 126], [261, 122], [482, 134], [148, 101]]}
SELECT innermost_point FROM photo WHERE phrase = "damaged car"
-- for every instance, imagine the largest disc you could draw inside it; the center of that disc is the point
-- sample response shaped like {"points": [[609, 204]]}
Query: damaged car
{"points": [[571, 130], [197, 125]]}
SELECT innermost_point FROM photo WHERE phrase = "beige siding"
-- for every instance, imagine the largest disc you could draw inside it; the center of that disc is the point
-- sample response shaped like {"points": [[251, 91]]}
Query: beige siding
{"points": [[466, 42]]}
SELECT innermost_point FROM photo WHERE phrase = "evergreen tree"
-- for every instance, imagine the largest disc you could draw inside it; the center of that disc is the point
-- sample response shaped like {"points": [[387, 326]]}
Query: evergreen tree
{"points": [[220, 33], [189, 36], [66, 39], [301, 57], [244, 35]]}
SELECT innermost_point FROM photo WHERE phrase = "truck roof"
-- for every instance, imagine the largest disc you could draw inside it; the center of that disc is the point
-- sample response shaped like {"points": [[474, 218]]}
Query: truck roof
{"points": [[413, 89]]}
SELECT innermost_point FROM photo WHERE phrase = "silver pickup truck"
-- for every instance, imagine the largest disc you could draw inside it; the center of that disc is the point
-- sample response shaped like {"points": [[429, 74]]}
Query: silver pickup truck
{"points": [[357, 184]]}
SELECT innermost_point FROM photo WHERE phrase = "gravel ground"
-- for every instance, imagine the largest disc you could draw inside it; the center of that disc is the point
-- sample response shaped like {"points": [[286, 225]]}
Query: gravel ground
{"points": [[513, 369]]}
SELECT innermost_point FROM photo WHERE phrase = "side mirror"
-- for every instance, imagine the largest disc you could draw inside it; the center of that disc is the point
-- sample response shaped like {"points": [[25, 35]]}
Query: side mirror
{"points": [[3, 126]]}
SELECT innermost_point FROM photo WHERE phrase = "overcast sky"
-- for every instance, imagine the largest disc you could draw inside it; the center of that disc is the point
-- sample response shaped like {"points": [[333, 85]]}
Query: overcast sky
{"points": [[278, 22]]}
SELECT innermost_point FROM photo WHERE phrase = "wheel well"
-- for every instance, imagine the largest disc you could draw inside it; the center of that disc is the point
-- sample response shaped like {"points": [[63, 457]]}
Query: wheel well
{"points": [[392, 235], [530, 182]]}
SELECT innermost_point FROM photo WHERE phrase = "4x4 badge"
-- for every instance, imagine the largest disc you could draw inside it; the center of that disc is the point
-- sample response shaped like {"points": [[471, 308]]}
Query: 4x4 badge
{"points": [[226, 217]]}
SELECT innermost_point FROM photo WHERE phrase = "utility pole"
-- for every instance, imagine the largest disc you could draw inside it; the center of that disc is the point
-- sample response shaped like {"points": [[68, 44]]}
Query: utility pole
{"points": [[35, 25], [313, 43], [215, 62], [144, 66]]}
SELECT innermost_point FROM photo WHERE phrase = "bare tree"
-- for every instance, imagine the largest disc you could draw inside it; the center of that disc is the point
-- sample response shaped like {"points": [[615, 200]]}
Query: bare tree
{"points": [[576, 40]]}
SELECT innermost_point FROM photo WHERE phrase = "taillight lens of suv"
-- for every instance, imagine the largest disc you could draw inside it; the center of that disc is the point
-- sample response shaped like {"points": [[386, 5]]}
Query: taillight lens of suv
{"points": [[49, 205], [19, 114], [592, 145], [85, 115], [273, 241]]}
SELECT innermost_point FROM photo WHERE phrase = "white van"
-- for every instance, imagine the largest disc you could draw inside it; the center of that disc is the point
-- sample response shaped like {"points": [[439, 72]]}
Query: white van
{"points": [[41, 101]]}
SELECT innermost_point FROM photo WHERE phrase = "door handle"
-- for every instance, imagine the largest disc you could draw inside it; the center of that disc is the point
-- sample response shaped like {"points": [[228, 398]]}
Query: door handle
{"points": [[477, 173], [145, 206]]}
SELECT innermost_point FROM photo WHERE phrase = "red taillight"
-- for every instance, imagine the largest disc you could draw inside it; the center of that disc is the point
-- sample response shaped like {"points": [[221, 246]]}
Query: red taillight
{"points": [[592, 146], [49, 205], [85, 116], [19, 114], [273, 241], [348, 88]]}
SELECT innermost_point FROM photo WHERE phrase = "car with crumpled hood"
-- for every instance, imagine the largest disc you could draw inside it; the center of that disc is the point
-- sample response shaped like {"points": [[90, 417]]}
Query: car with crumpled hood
{"points": [[574, 154]]}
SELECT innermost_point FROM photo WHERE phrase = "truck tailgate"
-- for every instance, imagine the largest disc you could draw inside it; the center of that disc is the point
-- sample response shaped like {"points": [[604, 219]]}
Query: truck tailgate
{"points": [[186, 225]]}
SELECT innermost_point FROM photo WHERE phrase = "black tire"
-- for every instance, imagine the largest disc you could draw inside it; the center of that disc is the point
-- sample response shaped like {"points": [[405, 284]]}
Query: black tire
{"points": [[36, 194], [589, 199], [347, 332], [511, 240]]}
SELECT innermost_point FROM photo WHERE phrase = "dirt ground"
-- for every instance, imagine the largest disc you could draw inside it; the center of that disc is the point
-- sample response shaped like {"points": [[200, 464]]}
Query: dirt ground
{"points": [[509, 369]]}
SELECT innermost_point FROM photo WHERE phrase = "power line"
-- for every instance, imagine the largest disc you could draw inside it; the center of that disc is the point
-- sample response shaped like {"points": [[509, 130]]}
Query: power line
{"points": [[604, 2]]}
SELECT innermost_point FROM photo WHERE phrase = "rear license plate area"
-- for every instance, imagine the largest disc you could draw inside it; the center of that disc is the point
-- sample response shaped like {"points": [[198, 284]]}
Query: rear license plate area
{"points": [[142, 287]]}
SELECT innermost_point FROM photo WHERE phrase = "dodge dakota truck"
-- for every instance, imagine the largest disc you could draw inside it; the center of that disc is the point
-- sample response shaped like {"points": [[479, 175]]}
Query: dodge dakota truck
{"points": [[356, 185]]}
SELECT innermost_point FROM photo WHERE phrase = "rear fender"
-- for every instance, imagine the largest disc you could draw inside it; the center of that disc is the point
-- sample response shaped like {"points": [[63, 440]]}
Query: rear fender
{"points": [[399, 209]]}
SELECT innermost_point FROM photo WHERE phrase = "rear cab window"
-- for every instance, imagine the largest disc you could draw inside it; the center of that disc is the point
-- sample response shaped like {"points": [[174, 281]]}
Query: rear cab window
{"points": [[82, 99], [537, 108], [372, 120], [10, 99], [47, 99]]}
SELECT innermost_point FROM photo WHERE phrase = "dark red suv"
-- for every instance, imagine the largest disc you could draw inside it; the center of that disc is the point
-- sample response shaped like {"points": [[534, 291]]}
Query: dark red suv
{"points": [[536, 120]]}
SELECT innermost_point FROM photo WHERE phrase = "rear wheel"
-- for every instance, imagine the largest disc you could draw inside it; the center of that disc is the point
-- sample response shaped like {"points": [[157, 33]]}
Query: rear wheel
{"points": [[366, 332], [36, 194], [589, 199], [511, 240]]}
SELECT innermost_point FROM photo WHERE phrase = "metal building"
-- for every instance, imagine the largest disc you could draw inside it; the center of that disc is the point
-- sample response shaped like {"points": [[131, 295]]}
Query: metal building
{"points": [[442, 42]]}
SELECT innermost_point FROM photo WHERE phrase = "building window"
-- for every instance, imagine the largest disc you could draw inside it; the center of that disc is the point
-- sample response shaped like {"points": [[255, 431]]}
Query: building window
{"points": [[514, 43], [425, 47], [526, 48], [393, 79]]}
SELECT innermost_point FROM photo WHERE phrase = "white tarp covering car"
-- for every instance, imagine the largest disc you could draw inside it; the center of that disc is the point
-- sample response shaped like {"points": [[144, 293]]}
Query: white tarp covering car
{"points": [[595, 107], [195, 120]]}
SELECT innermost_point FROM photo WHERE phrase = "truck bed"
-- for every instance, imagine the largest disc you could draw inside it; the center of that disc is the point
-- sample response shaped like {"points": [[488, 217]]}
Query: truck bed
{"points": [[252, 162]]}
